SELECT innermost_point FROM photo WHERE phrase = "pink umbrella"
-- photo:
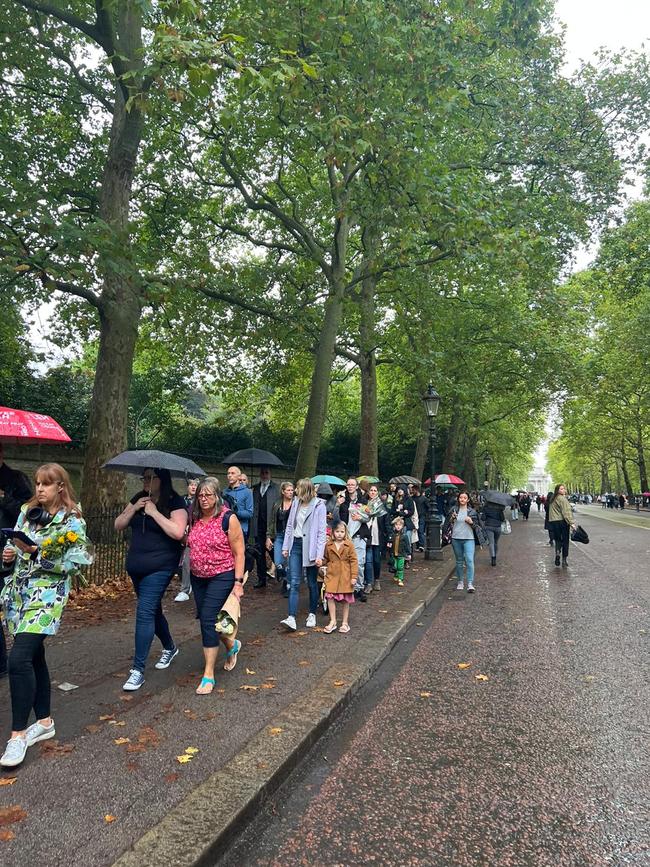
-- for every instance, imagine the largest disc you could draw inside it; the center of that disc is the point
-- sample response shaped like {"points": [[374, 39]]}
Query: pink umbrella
{"points": [[18, 427]]}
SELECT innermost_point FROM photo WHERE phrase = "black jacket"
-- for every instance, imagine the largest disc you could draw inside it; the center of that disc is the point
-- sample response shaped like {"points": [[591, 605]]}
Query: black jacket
{"points": [[17, 490], [344, 514], [272, 495]]}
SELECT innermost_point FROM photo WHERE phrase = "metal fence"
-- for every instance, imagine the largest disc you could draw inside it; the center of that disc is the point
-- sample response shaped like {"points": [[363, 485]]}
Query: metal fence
{"points": [[110, 546]]}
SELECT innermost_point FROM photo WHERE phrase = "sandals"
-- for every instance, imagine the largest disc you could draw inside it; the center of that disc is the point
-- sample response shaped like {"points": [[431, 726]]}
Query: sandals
{"points": [[231, 656], [331, 627], [345, 627], [206, 686]]}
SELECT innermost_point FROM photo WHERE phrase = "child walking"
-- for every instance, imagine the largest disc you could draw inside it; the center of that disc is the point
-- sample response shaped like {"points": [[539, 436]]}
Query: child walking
{"points": [[341, 569], [400, 546]]}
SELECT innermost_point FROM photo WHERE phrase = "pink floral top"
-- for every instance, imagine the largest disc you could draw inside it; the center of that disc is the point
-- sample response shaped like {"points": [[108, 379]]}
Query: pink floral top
{"points": [[210, 552]]}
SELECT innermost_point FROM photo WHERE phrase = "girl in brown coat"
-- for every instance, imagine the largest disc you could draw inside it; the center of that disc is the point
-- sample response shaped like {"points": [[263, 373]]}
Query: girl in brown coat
{"points": [[341, 569]]}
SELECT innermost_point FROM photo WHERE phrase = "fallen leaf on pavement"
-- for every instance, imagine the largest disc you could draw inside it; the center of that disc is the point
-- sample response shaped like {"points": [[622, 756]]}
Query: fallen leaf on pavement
{"points": [[10, 815], [54, 748], [171, 778], [426, 694], [132, 766], [250, 671], [114, 722], [588, 678], [262, 765], [183, 760], [6, 835], [190, 714], [109, 819], [191, 751], [339, 683], [8, 781], [120, 741], [106, 716], [299, 633], [304, 662], [275, 730], [464, 665], [268, 686], [420, 623], [92, 728], [220, 691], [271, 677], [383, 610], [249, 688], [136, 748], [318, 629], [126, 698], [481, 677]]}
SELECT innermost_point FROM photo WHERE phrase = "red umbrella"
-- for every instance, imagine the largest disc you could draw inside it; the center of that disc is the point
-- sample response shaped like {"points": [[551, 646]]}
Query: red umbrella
{"points": [[18, 426], [446, 479]]}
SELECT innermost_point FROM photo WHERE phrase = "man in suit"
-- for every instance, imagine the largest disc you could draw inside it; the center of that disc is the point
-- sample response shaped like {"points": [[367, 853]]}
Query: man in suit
{"points": [[265, 494], [15, 490]]}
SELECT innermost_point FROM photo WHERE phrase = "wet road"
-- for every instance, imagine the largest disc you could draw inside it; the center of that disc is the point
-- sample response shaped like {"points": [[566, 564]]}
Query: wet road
{"points": [[535, 752]]}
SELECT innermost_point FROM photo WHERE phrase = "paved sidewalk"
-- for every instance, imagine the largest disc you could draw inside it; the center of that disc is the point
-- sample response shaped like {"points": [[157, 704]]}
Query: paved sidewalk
{"points": [[113, 774]]}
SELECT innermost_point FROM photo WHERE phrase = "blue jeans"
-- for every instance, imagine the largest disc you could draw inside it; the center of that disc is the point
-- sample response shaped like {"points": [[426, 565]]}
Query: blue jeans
{"points": [[464, 549], [372, 567], [149, 617], [278, 559], [209, 596], [295, 579]]}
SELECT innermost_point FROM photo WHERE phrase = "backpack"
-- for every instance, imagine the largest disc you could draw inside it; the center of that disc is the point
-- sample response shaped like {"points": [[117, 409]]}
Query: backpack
{"points": [[230, 501]]}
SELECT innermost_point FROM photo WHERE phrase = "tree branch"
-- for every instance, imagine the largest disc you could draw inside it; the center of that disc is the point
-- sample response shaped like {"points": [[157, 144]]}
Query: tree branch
{"points": [[90, 30]]}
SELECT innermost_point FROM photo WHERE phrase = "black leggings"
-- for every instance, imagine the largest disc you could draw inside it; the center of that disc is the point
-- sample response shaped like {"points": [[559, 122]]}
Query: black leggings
{"points": [[29, 679], [560, 535]]}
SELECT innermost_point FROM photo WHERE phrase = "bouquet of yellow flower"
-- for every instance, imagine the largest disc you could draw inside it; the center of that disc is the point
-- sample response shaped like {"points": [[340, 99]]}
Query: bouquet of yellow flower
{"points": [[67, 550]]}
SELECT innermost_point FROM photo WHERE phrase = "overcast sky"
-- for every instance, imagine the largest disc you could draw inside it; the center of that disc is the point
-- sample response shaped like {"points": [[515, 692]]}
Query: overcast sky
{"points": [[611, 23]]}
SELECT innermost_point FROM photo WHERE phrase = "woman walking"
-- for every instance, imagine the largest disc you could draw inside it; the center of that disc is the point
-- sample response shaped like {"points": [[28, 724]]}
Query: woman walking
{"points": [[158, 520], [34, 596], [493, 518], [216, 544], [560, 521], [377, 541], [467, 526], [275, 538], [304, 545]]}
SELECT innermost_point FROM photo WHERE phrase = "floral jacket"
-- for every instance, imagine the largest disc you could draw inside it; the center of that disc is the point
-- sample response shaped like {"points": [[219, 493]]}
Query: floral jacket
{"points": [[37, 590]]}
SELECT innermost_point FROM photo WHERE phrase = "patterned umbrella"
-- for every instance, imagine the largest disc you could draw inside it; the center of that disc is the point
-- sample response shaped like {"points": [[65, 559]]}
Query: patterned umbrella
{"points": [[404, 480], [372, 480]]}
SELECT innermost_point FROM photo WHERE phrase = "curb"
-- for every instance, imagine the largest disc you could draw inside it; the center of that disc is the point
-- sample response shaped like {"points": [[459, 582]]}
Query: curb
{"points": [[197, 831]]}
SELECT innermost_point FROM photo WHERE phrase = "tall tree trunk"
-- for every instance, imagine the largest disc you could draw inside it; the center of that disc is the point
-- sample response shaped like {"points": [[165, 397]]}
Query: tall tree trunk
{"points": [[626, 476], [121, 300], [643, 472], [421, 452], [320, 383], [449, 461], [369, 439]]}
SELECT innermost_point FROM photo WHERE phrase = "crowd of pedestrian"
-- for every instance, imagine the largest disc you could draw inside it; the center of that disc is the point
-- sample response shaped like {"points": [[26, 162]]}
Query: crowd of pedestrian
{"points": [[339, 544]]}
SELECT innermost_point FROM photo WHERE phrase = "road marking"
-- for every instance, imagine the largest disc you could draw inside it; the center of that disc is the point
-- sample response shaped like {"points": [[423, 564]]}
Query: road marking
{"points": [[614, 519]]}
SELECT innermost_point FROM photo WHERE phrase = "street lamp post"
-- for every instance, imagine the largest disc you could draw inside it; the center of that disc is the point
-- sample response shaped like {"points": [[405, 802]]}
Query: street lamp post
{"points": [[487, 460], [498, 481], [433, 551]]}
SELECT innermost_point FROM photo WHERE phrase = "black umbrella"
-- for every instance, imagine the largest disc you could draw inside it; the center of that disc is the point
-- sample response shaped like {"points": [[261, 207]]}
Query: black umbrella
{"points": [[253, 458], [404, 480], [498, 497], [140, 459]]}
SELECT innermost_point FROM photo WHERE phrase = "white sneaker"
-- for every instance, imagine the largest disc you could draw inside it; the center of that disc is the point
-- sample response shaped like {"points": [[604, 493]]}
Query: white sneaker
{"points": [[460, 586], [311, 620], [289, 622], [37, 732], [471, 588], [14, 754], [135, 681], [182, 597]]}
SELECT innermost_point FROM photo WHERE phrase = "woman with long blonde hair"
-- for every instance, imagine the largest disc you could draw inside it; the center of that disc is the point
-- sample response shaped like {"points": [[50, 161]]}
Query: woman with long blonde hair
{"points": [[47, 549], [304, 545]]}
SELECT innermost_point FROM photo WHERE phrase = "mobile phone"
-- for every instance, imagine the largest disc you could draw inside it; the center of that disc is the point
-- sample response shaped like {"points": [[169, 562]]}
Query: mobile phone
{"points": [[18, 534]]}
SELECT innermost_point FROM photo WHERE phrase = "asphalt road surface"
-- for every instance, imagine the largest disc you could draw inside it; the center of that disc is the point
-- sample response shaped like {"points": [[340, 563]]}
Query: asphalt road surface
{"points": [[534, 752]]}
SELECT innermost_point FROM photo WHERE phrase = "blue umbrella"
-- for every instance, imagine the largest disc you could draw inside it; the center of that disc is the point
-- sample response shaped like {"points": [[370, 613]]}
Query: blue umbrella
{"points": [[328, 480]]}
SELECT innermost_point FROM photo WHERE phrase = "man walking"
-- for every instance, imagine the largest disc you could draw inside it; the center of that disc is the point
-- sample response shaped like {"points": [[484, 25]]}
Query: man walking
{"points": [[357, 527], [14, 491], [242, 498], [265, 494]]}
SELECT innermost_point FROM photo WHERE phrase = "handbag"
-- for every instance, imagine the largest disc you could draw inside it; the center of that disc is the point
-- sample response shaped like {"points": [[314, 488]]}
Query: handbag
{"points": [[506, 527], [580, 535]]}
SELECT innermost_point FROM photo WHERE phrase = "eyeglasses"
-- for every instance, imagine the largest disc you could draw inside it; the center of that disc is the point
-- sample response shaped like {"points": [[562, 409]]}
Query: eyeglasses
{"points": [[206, 495]]}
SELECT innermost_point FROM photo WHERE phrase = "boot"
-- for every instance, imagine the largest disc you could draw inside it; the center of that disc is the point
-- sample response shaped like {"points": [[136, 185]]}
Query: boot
{"points": [[565, 561], [259, 584], [557, 559], [494, 561]]}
